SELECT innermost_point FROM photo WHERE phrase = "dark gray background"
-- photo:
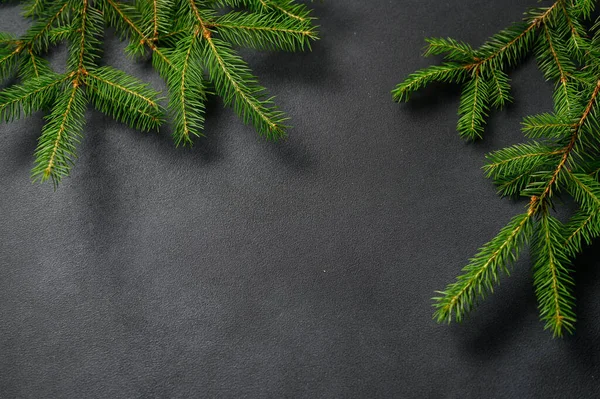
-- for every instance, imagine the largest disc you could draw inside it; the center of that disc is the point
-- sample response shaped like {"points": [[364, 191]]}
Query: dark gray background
{"points": [[242, 268]]}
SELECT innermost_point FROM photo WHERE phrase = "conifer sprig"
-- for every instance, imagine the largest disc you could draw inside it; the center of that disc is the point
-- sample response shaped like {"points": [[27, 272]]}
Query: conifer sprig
{"points": [[192, 43], [563, 156]]}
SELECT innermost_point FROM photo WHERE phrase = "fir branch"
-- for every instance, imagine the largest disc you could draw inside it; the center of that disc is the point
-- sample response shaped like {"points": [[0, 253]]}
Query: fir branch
{"points": [[288, 8], [9, 61], [124, 98], [37, 37], [546, 126], [508, 46], [33, 95], [502, 50], [513, 185], [483, 271], [55, 153], [7, 39], [577, 40], [447, 72], [453, 50], [583, 226], [34, 40], [551, 277], [553, 60], [556, 64], [33, 66], [585, 7], [474, 104], [125, 19], [234, 82], [585, 190], [191, 43], [546, 193], [187, 93], [263, 32], [499, 88], [33, 8], [563, 157], [520, 159]]}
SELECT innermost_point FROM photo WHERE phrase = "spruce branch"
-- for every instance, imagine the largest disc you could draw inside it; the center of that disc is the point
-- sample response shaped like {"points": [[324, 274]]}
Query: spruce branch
{"points": [[451, 49], [33, 95], [552, 278], [447, 72], [187, 92], [234, 82], [582, 227], [562, 156], [191, 43], [546, 125], [474, 104], [287, 8], [483, 271], [261, 32], [498, 53], [499, 88], [124, 98], [508, 165], [56, 150]]}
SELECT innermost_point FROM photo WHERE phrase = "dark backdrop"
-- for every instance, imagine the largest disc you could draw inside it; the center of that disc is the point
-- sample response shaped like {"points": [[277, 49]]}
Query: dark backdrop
{"points": [[242, 268]]}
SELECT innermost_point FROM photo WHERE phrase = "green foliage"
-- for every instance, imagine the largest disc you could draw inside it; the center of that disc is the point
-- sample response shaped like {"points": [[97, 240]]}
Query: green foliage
{"points": [[512, 168], [447, 72], [551, 276], [234, 82], [33, 95], [483, 271], [55, 152], [561, 158], [474, 104], [546, 125], [452, 49], [191, 43], [499, 88], [123, 97], [187, 91], [260, 31]]}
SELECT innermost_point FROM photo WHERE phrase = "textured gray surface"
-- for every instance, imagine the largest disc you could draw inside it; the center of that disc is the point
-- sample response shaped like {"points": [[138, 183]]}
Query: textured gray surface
{"points": [[241, 268]]}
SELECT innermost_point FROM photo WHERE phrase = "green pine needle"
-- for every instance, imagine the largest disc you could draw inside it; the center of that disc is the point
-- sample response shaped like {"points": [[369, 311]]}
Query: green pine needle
{"points": [[499, 87], [474, 105], [552, 278], [483, 271], [56, 150], [563, 156], [452, 49], [33, 95], [123, 97], [192, 46], [447, 72]]}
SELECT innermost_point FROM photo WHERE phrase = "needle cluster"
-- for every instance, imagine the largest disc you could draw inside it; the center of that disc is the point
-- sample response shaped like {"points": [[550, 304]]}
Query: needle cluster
{"points": [[561, 156], [192, 44]]}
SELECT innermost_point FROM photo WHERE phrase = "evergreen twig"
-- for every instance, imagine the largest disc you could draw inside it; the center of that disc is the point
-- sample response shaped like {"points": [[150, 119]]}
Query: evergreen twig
{"points": [[562, 156], [192, 46]]}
